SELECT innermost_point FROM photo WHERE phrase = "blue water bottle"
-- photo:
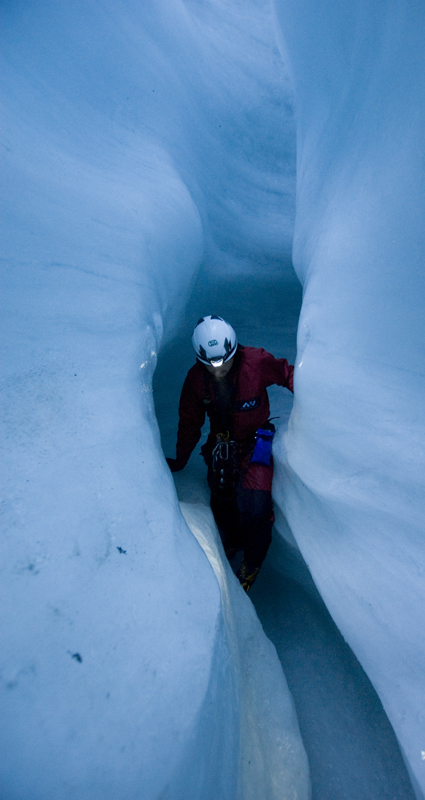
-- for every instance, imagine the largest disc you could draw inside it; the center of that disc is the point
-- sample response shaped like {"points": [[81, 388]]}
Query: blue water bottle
{"points": [[263, 446]]}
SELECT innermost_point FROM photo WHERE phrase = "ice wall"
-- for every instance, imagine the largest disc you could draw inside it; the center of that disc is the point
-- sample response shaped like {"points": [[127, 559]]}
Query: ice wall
{"points": [[140, 138], [355, 447]]}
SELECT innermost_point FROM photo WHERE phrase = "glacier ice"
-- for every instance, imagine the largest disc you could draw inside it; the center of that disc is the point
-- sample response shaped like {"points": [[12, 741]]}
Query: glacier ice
{"points": [[144, 143], [140, 139], [273, 765], [353, 457]]}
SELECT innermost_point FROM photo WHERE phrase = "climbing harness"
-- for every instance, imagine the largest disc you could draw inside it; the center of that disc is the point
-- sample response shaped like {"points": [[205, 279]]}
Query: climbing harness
{"points": [[224, 464]]}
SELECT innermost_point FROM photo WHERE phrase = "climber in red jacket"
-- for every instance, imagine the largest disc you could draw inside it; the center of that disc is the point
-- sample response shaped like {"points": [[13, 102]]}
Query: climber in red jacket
{"points": [[229, 383]]}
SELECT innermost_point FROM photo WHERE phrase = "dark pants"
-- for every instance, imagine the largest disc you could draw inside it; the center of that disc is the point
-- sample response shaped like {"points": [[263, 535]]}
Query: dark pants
{"points": [[245, 520]]}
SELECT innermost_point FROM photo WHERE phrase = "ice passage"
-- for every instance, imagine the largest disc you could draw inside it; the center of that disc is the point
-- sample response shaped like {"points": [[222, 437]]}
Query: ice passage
{"points": [[148, 145]]}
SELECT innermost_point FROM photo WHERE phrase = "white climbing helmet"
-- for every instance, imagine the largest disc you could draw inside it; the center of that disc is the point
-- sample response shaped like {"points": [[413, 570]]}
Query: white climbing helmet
{"points": [[214, 341]]}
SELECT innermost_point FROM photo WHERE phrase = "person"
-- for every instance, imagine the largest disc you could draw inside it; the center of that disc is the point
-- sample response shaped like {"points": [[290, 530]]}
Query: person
{"points": [[229, 383]]}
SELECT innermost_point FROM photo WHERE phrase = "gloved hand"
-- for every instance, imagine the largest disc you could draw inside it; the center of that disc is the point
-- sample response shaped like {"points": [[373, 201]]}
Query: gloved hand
{"points": [[175, 466]]}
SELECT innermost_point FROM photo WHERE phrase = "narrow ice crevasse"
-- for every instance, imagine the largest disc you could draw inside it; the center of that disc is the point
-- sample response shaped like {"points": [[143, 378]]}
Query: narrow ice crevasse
{"points": [[143, 141]]}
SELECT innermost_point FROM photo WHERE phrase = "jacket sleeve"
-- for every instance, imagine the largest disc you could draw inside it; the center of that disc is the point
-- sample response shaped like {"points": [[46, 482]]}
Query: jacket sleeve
{"points": [[277, 370], [191, 420]]}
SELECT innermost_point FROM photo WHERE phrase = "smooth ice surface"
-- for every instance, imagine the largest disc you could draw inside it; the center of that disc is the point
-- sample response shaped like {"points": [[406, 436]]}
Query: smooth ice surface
{"points": [[273, 763], [353, 458], [140, 138]]}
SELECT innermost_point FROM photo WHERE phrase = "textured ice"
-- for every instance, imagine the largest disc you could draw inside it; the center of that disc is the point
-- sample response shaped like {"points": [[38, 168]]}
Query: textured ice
{"points": [[353, 458], [140, 139]]}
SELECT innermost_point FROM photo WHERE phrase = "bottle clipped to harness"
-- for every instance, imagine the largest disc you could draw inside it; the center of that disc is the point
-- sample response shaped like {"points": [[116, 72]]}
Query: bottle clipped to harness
{"points": [[263, 445]]}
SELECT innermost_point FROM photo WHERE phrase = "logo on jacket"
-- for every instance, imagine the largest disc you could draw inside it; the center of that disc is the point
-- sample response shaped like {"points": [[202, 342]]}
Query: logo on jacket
{"points": [[248, 405]]}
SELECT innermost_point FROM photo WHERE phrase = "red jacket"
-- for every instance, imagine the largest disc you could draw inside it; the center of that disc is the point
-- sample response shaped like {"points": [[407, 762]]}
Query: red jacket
{"points": [[253, 370]]}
